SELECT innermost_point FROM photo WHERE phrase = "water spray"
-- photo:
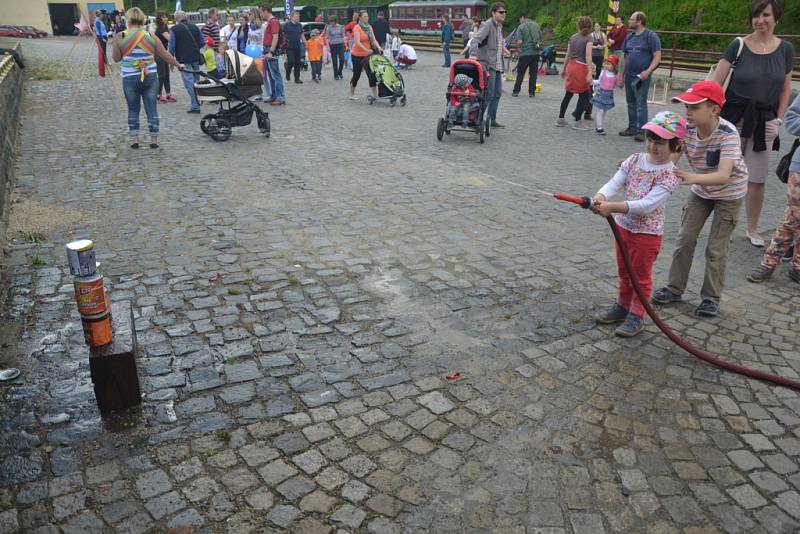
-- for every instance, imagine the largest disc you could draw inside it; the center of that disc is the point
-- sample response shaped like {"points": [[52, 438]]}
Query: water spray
{"points": [[586, 203]]}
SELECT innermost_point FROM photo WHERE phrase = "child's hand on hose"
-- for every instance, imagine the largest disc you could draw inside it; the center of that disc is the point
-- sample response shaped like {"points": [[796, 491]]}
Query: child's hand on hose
{"points": [[602, 208]]}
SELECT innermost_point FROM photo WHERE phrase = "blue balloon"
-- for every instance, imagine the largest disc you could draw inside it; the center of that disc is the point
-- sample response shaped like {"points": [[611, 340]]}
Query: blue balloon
{"points": [[253, 50]]}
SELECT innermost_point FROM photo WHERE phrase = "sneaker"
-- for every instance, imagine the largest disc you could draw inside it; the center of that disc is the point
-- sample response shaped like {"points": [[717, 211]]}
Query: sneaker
{"points": [[353, 97], [665, 296], [171, 99], [580, 125], [193, 111], [298, 81], [639, 137], [707, 308], [561, 122], [600, 131], [789, 254], [615, 313], [628, 132], [633, 325], [277, 102], [495, 124], [161, 99], [761, 274], [514, 94], [794, 275], [532, 95], [755, 240]]}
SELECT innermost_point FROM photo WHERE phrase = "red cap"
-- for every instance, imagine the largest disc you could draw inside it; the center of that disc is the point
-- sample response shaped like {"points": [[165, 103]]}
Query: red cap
{"points": [[613, 60], [702, 91], [209, 41]]}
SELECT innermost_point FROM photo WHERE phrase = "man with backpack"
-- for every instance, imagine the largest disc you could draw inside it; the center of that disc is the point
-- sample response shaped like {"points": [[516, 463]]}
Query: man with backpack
{"points": [[531, 36], [273, 48], [641, 56]]}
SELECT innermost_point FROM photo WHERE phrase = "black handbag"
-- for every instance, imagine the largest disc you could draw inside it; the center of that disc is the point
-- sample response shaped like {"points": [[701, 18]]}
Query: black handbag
{"points": [[782, 170]]}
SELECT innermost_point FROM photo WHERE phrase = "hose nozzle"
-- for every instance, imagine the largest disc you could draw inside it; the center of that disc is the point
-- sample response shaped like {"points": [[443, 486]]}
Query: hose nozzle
{"points": [[584, 202]]}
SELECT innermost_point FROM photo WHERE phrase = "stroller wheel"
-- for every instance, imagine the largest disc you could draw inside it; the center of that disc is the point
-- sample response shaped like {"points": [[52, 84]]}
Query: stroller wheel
{"points": [[487, 128], [481, 133], [440, 126], [205, 121], [393, 101], [219, 130], [403, 101], [263, 124], [371, 99]]}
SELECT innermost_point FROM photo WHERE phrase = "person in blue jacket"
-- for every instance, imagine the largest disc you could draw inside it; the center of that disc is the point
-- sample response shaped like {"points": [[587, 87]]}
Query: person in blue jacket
{"points": [[447, 37]]}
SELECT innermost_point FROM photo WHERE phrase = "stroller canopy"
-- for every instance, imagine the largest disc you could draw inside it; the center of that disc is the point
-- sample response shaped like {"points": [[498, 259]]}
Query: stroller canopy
{"points": [[471, 68], [384, 72], [242, 69]]}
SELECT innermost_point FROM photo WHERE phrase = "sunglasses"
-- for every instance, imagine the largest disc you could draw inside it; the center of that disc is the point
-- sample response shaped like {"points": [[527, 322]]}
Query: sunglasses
{"points": [[501, 11]]}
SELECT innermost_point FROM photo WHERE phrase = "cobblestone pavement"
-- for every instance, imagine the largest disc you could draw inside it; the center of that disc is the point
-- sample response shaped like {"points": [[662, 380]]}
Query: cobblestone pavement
{"points": [[361, 262]]}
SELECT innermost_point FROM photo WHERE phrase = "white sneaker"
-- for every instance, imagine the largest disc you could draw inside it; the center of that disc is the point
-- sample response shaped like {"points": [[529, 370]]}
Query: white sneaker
{"points": [[353, 97], [580, 125], [561, 123]]}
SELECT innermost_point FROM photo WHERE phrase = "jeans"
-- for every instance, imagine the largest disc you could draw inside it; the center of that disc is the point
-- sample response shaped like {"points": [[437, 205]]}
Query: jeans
{"points": [[525, 63], [337, 58], [494, 90], [189, 80], [293, 62], [695, 213], [446, 45], [316, 69], [637, 101], [275, 79], [137, 91]]}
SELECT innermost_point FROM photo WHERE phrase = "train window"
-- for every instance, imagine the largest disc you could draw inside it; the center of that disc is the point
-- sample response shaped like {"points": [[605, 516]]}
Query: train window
{"points": [[429, 13], [458, 13]]}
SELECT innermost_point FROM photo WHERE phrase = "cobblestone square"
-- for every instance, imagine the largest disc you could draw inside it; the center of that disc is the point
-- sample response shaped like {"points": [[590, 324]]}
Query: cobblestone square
{"points": [[299, 301]]}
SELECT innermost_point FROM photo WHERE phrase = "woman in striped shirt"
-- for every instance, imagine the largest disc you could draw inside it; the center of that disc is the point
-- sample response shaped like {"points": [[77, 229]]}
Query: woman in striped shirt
{"points": [[137, 48]]}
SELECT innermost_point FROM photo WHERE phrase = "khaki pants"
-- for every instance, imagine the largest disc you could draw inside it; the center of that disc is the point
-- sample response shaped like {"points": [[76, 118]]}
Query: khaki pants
{"points": [[695, 213]]}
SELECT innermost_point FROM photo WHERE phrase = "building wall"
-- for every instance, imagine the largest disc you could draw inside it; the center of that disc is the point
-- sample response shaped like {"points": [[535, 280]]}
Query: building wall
{"points": [[36, 12], [11, 79]]}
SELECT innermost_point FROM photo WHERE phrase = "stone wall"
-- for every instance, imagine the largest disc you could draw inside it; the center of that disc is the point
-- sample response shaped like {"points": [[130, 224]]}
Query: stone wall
{"points": [[11, 79]]}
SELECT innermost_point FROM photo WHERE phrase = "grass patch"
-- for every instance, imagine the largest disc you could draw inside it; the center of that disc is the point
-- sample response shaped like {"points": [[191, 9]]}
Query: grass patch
{"points": [[34, 237], [294, 282], [234, 291], [38, 260], [224, 436]]}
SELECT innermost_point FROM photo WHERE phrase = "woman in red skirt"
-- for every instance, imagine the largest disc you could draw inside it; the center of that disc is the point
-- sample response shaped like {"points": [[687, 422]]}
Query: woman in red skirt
{"points": [[577, 74]]}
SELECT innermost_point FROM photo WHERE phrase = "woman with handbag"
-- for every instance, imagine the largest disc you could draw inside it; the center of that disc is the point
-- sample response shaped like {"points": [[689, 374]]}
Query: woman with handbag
{"points": [[785, 242], [758, 69]]}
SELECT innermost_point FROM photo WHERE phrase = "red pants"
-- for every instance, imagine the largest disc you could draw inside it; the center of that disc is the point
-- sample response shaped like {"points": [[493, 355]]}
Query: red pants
{"points": [[643, 250]]}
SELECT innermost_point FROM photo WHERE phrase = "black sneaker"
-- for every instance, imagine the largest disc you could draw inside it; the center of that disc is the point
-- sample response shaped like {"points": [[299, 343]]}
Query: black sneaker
{"points": [[514, 94], [761, 274], [707, 308], [628, 132], [615, 313], [495, 124], [633, 325], [532, 95], [639, 137], [665, 296]]}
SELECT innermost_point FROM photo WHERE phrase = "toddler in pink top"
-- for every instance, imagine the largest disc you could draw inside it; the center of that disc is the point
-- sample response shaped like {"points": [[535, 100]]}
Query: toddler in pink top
{"points": [[645, 181], [603, 99]]}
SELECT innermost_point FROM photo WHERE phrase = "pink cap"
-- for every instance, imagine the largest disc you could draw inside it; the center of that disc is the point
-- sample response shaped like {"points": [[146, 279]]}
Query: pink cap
{"points": [[667, 125]]}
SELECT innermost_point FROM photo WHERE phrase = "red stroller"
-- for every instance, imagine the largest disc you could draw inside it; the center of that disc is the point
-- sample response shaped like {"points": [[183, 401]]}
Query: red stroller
{"points": [[475, 122]]}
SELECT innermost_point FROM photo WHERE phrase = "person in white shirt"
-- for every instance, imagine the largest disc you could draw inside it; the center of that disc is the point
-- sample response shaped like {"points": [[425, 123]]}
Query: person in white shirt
{"points": [[406, 56]]}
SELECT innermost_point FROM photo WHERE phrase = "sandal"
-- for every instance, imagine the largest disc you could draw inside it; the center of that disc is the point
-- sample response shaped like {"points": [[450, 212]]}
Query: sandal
{"points": [[755, 240], [134, 142], [154, 142]]}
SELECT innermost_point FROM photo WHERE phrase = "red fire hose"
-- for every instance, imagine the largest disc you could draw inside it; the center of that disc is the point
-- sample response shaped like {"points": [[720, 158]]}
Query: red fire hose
{"points": [[586, 202]]}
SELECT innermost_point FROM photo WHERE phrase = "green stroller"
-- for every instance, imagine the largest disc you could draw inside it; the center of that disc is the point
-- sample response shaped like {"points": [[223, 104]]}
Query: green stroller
{"points": [[390, 82]]}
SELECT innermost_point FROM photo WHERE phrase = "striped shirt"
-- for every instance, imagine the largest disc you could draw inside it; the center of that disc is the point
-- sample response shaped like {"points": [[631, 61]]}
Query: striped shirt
{"points": [[138, 59], [704, 156], [211, 29]]}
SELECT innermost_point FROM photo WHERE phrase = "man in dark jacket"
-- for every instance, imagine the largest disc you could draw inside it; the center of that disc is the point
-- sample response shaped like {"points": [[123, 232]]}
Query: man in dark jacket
{"points": [[184, 44], [381, 28], [447, 38], [295, 43]]}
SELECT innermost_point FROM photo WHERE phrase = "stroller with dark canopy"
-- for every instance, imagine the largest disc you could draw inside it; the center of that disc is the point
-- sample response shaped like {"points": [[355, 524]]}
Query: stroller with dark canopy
{"points": [[242, 80], [475, 121]]}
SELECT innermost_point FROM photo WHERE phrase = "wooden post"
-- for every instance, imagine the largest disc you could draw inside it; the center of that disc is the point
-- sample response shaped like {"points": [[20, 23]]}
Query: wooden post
{"points": [[672, 61], [113, 366]]}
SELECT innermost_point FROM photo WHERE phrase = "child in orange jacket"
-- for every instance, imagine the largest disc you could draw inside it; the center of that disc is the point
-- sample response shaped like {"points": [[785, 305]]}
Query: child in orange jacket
{"points": [[463, 100], [315, 47]]}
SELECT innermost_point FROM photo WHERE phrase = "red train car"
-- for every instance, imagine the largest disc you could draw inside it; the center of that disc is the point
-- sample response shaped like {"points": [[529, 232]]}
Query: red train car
{"points": [[424, 17]]}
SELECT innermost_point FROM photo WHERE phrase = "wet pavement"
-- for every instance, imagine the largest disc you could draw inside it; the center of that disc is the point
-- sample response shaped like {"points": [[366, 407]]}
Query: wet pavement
{"points": [[361, 262]]}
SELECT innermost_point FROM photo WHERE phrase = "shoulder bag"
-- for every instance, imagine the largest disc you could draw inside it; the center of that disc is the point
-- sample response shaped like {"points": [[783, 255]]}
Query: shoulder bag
{"points": [[727, 79]]}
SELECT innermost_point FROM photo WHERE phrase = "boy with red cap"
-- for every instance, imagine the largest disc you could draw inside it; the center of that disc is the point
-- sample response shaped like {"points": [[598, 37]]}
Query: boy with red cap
{"points": [[645, 181], [719, 184], [209, 58]]}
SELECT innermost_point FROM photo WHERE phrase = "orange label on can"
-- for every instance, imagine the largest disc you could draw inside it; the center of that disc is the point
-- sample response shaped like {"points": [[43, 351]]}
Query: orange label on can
{"points": [[97, 332], [90, 297]]}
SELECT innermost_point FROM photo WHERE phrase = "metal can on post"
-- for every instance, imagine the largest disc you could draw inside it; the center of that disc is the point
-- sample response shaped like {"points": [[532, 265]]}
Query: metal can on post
{"points": [[97, 329], [81, 257], [90, 295]]}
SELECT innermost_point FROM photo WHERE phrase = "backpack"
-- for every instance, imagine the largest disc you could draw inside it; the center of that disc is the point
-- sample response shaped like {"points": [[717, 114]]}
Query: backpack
{"points": [[283, 41]]}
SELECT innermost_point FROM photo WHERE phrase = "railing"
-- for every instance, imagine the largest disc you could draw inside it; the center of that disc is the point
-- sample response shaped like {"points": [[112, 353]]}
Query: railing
{"points": [[679, 59]]}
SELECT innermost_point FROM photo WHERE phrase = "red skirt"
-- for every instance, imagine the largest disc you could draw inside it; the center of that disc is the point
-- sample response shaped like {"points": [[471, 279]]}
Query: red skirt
{"points": [[577, 77]]}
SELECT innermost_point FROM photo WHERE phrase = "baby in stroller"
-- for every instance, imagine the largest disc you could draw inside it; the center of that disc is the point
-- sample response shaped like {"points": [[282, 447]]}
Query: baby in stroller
{"points": [[463, 106]]}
